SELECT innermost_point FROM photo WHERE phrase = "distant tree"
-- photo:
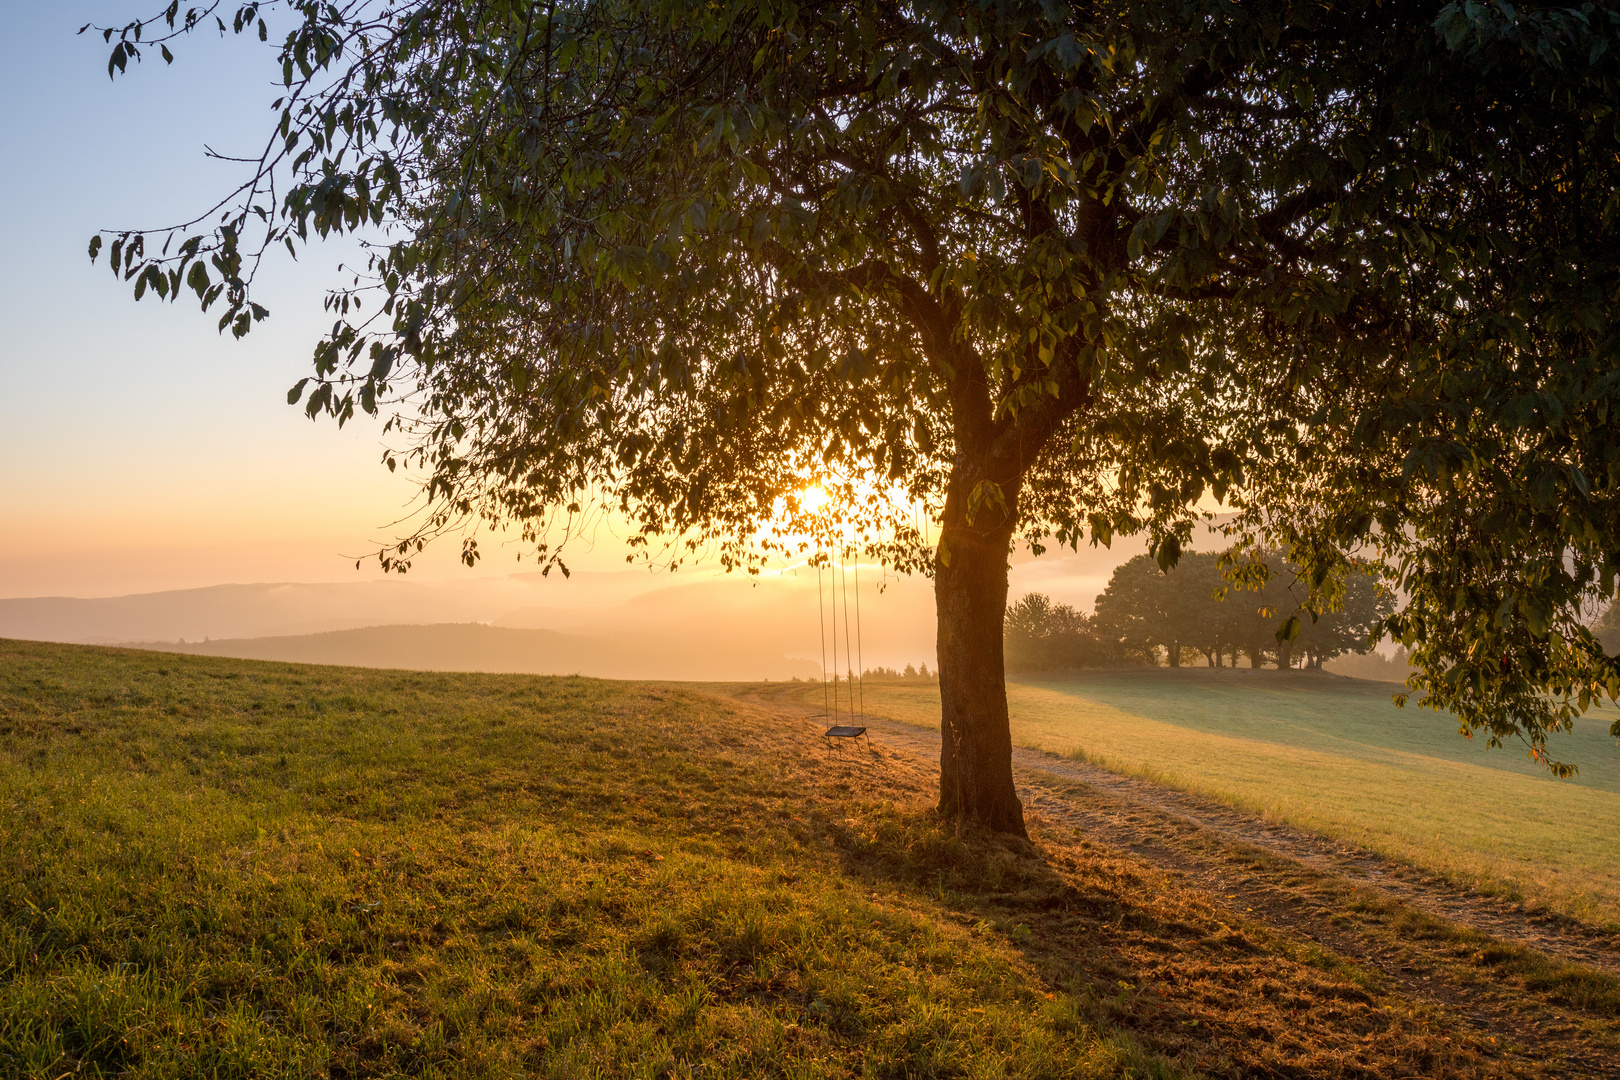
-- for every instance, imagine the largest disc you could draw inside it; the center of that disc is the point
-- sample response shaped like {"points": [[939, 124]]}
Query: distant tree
{"points": [[1373, 665], [1607, 629], [1346, 624], [1149, 612], [1045, 269], [1044, 636], [1210, 625], [888, 674], [1279, 618], [1142, 612], [1024, 633]]}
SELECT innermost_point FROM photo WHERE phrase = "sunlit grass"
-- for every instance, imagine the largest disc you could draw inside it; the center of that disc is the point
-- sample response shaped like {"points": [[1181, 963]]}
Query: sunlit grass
{"points": [[1336, 756], [226, 868]]}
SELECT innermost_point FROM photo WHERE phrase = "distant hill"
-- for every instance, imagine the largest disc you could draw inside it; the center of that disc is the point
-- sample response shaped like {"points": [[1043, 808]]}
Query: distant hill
{"points": [[695, 620], [692, 621], [475, 647], [233, 611]]}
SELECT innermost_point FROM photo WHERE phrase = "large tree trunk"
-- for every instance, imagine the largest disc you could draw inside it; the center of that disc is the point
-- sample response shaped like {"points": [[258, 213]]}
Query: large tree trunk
{"points": [[970, 593]]}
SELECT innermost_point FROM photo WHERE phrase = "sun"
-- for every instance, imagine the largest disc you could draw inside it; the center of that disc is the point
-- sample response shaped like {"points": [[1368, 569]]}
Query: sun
{"points": [[813, 498]]}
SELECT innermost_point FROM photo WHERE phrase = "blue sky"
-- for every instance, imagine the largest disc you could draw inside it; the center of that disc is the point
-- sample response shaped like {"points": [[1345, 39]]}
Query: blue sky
{"points": [[141, 449]]}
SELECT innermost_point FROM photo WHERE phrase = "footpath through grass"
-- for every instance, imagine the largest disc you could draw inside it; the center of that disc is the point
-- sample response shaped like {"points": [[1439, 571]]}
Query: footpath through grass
{"points": [[1335, 755], [237, 869]]}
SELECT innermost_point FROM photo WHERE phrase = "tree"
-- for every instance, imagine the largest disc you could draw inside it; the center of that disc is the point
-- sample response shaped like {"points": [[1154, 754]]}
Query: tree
{"points": [[1208, 622], [1350, 625], [1143, 610], [1146, 609], [1040, 635], [1045, 270]]}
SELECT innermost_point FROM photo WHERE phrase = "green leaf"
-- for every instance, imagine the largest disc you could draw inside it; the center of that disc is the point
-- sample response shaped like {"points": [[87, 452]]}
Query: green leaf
{"points": [[197, 279]]}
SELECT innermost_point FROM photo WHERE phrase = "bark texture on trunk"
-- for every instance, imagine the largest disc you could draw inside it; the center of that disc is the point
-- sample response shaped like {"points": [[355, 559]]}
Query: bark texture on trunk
{"points": [[970, 594], [998, 433]]}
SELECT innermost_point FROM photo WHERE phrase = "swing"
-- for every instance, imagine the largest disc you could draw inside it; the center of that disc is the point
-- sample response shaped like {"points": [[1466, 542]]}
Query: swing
{"points": [[832, 708]]}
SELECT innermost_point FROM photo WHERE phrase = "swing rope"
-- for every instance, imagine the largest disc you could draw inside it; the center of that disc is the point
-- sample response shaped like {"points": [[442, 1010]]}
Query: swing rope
{"points": [[821, 607], [847, 658], [860, 654], [839, 574]]}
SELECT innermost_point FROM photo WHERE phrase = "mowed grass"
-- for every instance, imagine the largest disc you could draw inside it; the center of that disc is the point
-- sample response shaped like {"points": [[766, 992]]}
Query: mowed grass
{"points": [[1335, 755], [226, 868]]}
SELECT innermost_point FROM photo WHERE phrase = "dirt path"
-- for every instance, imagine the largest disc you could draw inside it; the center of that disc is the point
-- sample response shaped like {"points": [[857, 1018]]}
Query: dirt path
{"points": [[1163, 826], [1503, 970]]}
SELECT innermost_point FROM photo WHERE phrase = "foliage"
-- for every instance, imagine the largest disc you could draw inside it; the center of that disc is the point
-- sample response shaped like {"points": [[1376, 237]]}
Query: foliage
{"points": [[1043, 636], [1146, 611], [1039, 268]]}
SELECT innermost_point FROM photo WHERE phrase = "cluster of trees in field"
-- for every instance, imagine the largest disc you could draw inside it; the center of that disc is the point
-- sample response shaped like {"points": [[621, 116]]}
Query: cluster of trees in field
{"points": [[910, 673], [1191, 613]]}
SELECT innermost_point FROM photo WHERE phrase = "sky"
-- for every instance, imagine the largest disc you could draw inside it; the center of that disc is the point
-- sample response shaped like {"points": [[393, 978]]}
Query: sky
{"points": [[141, 450]]}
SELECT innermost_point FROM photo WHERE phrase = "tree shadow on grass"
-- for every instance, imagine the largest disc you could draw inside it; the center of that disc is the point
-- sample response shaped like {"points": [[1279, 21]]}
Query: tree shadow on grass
{"points": [[1140, 951]]}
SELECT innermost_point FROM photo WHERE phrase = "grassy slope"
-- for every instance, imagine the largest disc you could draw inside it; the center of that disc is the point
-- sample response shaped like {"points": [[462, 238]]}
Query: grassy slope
{"points": [[1335, 755], [219, 867], [233, 868]]}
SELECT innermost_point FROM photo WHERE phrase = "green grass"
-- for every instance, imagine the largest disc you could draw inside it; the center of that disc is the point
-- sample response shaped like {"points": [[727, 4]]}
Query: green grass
{"points": [[1335, 755], [228, 868]]}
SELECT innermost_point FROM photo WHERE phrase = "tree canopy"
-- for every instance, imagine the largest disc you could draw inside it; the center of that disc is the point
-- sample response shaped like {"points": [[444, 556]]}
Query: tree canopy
{"points": [[1041, 269], [1040, 635], [1146, 610]]}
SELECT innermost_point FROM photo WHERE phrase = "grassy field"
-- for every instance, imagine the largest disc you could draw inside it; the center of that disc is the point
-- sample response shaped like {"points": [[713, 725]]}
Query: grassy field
{"points": [[227, 868], [1335, 755], [230, 868]]}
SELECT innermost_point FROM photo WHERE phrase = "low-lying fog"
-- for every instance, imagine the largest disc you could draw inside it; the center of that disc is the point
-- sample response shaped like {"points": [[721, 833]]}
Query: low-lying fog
{"points": [[695, 624]]}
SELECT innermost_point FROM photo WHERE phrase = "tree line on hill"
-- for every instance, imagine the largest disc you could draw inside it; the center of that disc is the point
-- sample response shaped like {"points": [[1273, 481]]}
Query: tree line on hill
{"points": [[1191, 612], [911, 673]]}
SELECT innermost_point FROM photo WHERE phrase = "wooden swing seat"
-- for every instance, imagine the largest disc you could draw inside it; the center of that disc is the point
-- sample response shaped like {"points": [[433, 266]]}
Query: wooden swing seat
{"points": [[844, 732]]}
